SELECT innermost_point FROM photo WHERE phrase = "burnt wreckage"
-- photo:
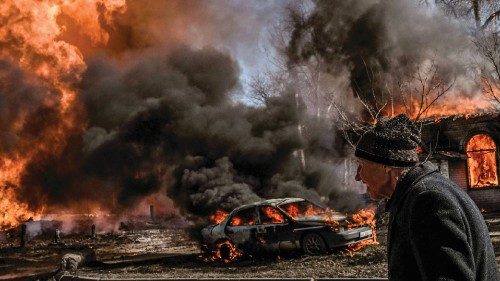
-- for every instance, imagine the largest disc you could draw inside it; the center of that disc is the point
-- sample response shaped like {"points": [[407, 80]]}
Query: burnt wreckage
{"points": [[288, 223]]}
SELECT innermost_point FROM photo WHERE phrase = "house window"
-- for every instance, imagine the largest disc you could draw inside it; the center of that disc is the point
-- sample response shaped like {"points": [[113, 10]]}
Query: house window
{"points": [[482, 162]]}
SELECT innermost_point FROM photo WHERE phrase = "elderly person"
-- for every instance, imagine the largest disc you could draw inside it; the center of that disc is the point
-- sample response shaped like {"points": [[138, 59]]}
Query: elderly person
{"points": [[436, 232]]}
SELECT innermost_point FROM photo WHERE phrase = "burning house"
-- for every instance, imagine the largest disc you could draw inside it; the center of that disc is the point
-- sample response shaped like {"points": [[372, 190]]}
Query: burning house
{"points": [[466, 150], [464, 147]]}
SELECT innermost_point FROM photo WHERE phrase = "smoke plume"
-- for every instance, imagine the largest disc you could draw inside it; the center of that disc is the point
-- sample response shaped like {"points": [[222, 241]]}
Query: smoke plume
{"points": [[390, 48], [119, 100], [182, 119]]}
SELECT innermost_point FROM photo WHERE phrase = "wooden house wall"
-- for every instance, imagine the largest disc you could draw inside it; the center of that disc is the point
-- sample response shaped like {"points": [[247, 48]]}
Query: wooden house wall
{"points": [[458, 172]]}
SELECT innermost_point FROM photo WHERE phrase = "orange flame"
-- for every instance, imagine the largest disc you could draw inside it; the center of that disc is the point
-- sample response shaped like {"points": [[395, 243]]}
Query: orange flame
{"points": [[295, 211], [449, 105], [218, 216], [235, 221], [311, 211], [481, 161], [334, 224], [365, 217], [225, 252], [292, 210], [33, 31], [273, 215]]}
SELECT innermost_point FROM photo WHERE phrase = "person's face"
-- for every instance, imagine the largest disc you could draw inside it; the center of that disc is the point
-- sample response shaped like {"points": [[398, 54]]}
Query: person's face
{"points": [[376, 177]]}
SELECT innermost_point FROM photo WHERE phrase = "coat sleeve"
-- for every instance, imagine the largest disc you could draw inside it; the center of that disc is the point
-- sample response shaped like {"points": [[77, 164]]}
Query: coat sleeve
{"points": [[438, 237]]}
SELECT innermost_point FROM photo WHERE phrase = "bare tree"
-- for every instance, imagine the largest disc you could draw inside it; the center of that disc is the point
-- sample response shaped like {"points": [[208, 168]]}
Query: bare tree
{"points": [[415, 95], [306, 77], [424, 89], [481, 12], [485, 15], [259, 90], [412, 93]]}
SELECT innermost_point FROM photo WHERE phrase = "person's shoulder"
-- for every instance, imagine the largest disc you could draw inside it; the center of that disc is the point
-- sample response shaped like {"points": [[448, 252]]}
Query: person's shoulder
{"points": [[434, 182], [434, 191]]}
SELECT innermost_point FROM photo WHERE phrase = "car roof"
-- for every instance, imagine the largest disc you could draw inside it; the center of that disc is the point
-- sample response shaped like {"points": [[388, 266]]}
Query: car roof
{"points": [[273, 202]]}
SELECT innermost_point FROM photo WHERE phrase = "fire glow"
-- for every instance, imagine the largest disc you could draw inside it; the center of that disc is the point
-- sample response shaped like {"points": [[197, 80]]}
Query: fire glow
{"points": [[273, 215], [53, 63], [451, 104], [225, 252], [218, 216], [365, 217], [481, 161]]}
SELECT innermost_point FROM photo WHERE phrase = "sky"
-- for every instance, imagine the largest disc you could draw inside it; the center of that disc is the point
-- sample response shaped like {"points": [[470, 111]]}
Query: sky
{"points": [[243, 30]]}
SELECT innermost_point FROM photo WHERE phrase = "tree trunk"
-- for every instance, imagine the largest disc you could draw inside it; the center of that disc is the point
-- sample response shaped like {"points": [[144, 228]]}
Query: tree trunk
{"points": [[476, 8], [300, 152]]}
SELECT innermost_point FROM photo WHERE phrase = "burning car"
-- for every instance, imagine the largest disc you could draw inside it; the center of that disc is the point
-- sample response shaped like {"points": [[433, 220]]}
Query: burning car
{"points": [[280, 224]]}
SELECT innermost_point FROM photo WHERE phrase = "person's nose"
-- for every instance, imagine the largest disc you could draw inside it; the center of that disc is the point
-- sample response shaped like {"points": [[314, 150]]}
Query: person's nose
{"points": [[358, 176]]}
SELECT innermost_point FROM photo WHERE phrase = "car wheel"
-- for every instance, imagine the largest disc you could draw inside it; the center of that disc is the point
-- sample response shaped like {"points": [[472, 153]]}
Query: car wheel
{"points": [[314, 244], [225, 252]]}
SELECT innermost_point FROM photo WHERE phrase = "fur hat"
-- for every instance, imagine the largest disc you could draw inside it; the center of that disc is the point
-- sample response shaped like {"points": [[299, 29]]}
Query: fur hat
{"points": [[391, 142]]}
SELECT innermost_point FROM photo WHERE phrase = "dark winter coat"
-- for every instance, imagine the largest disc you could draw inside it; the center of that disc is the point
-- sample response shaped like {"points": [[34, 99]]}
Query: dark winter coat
{"points": [[436, 232]]}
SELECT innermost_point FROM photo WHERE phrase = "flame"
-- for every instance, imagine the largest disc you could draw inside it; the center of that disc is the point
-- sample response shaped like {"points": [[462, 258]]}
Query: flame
{"points": [[33, 34], [450, 105], [292, 210], [218, 216], [235, 221], [273, 215], [365, 217], [481, 161], [225, 252], [334, 224], [310, 210], [295, 211], [88, 20]]}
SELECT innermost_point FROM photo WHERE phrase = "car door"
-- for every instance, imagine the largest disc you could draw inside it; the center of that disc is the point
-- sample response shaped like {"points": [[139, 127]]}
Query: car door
{"points": [[241, 226], [273, 226]]}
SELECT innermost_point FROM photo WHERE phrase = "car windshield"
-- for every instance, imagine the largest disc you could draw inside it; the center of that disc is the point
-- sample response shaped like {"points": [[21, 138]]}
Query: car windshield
{"points": [[303, 210]]}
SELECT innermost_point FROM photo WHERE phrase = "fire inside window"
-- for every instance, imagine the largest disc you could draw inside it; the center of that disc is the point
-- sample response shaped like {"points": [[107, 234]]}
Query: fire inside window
{"points": [[482, 162]]}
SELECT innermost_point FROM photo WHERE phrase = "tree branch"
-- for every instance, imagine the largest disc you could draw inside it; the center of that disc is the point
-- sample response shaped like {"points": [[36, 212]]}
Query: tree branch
{"points": [[490, 18]]}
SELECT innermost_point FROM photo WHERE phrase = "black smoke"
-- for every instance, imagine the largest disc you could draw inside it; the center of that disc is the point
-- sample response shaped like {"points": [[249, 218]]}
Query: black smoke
{"points": [[384, 46], [166, 119], [22, 95], [221, 154]]}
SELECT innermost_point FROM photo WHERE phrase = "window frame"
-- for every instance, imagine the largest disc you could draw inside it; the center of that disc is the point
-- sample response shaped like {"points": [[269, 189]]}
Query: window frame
{"points": [[255, 213], [495, 153], [277, 209]]}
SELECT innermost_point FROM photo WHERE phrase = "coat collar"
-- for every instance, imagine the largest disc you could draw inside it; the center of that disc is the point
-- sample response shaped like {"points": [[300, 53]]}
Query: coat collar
{"points": [[415, 173]]}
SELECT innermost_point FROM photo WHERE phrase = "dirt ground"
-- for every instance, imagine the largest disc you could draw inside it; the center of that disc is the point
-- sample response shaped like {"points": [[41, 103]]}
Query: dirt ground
{"points": [[170, 253]]}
